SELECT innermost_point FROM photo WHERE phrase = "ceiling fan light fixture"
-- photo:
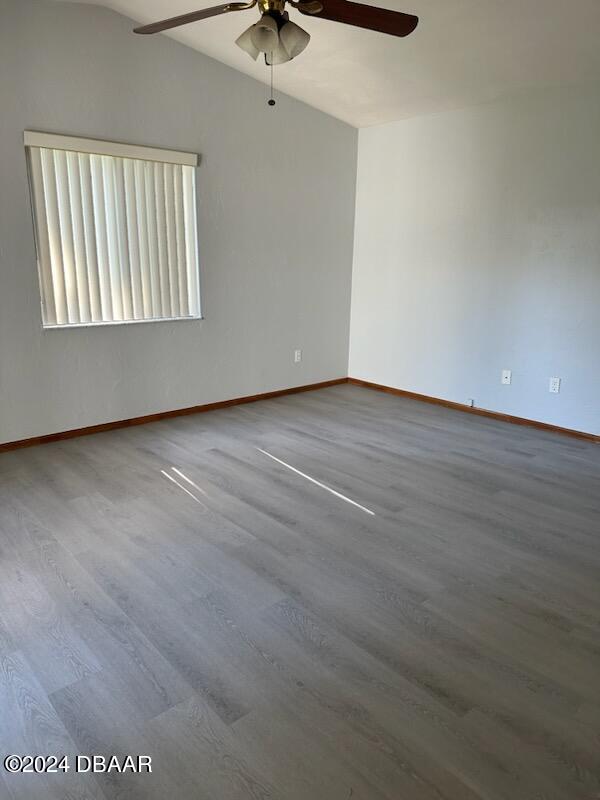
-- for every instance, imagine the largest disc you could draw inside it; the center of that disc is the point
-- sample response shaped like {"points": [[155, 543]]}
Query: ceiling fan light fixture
{"points": [[245, 42], [293, 38], [279, 55], [265, 34]]}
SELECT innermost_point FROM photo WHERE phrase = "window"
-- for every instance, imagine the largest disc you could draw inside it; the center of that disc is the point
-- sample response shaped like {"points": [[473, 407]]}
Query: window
{"points": [[116, 231]]}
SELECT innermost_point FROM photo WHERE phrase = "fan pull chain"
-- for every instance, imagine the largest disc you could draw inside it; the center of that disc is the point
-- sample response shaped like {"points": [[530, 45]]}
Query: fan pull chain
{"points": [[271, 99]]}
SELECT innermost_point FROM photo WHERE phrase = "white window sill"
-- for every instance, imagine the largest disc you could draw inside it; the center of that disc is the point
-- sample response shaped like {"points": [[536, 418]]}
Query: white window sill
{"points": [[69, 325]]}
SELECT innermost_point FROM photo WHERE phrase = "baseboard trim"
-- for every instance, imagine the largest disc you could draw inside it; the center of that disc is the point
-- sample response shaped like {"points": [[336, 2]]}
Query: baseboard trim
{"points": [[482, 412], [179, 412], [236, 401]]}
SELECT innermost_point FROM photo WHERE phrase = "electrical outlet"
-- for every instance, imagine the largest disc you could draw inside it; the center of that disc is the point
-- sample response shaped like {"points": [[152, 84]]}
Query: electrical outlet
{"points": [[297, 356], [554, 385], [506, 377]]}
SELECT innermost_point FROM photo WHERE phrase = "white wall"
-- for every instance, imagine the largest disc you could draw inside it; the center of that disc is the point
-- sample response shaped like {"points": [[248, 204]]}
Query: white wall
{"points": [[276, 211], [477, 248]]}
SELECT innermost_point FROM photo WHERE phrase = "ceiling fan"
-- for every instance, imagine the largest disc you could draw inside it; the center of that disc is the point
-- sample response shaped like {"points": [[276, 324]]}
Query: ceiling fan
{"points": [[281, 40]]}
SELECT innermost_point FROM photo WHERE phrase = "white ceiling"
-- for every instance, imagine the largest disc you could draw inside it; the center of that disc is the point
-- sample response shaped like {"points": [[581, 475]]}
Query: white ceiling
{"points": [[464, 52]]}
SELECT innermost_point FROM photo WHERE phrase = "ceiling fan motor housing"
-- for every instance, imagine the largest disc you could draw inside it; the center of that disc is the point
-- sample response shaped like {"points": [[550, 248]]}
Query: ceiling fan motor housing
{"points": [[275, 8]]}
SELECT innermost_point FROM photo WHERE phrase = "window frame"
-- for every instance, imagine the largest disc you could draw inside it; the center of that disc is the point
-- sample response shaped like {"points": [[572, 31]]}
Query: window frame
{"points": [[77, 144]]}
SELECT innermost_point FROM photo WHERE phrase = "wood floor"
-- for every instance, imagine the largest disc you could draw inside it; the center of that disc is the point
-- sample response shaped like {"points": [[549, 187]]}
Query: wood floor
{"points": [[174, 591]]}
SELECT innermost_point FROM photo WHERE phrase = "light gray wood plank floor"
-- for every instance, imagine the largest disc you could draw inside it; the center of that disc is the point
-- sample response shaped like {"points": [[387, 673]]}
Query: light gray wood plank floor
{"points": [[183, 590]]}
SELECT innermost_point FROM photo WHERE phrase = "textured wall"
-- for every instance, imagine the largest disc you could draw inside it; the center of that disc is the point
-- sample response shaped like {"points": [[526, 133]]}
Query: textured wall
{"points": [[477, 248], [276, 211]]}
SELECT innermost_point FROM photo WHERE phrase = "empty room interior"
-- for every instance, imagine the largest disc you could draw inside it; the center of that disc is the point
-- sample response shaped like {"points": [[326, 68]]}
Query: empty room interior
{"points": [[300, 400]]}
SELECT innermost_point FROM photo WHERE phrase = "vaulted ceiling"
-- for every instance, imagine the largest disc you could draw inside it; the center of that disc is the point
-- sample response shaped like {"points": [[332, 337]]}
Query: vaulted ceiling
{"points": [[464, 52]]}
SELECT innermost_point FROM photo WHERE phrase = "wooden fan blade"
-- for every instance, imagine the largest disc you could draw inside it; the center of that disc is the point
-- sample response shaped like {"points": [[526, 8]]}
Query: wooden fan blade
{"points": [[194, 16], [376, 19]]}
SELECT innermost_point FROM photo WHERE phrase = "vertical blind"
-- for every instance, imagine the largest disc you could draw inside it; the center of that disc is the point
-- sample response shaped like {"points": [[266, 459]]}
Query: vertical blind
{"points": [[116, 235]]}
